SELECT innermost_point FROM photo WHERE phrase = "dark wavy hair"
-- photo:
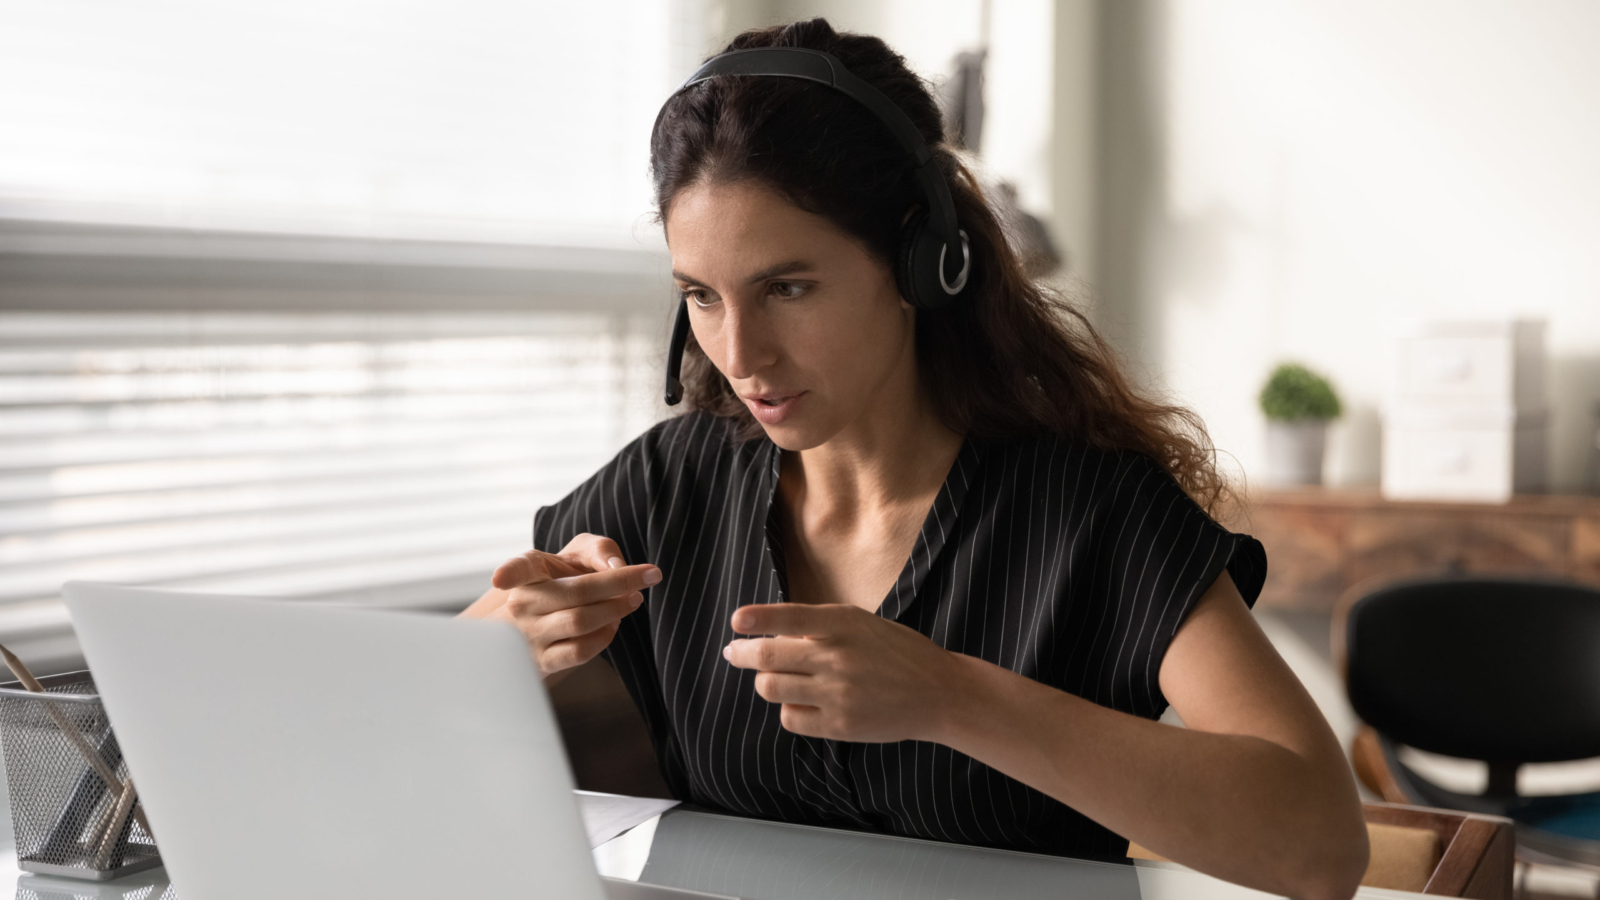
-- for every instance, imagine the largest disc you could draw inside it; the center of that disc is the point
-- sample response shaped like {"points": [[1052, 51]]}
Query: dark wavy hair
{"points": [[1012, 358]]}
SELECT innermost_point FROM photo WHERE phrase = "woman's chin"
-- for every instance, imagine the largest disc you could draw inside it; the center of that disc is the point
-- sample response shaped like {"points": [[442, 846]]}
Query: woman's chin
{"points": [[796, 433], [793, 436]]}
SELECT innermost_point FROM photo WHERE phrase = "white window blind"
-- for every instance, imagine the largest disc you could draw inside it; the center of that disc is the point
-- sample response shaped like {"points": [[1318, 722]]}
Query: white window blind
{"points": [[484, 119], [291, 294], [386, 458]]}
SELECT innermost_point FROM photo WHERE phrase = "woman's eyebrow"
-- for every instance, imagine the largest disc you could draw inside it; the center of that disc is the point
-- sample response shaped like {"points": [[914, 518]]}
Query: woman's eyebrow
{"points": [[783, 268]]}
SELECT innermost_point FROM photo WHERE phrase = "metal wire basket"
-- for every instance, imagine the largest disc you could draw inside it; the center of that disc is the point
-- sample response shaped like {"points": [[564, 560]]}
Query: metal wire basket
{"points": [[69, 820]]}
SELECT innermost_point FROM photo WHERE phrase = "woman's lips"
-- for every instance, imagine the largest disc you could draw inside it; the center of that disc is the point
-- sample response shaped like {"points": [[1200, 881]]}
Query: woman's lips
{"points": [[772, 413]]}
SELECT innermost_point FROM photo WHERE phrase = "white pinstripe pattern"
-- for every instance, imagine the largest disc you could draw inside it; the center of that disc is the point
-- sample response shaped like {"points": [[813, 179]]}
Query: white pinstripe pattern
{"points": [[1070, 565]]}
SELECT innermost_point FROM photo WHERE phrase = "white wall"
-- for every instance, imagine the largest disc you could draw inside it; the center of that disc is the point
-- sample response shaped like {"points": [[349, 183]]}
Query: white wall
{"points": [[1075, 85], [1241, 182], [1324, 166]]}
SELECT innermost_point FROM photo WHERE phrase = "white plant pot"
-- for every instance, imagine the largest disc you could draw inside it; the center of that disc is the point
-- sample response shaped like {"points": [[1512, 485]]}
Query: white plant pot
{"points": [[1295, 450]]}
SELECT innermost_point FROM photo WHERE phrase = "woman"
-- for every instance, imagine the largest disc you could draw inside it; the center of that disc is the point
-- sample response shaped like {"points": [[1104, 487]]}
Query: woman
{"points": [[933, 572]]}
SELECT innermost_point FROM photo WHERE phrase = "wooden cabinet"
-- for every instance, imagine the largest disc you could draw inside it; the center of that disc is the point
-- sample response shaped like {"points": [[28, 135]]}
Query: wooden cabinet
{"points": [[1322, 541]]}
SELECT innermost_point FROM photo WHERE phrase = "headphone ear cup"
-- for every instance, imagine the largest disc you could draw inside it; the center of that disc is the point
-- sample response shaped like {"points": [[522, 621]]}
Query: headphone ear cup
{"points": [[917, 273]]}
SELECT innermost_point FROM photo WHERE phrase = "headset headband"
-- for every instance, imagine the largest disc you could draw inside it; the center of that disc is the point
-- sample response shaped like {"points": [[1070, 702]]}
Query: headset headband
{"points": [[825, 68]]}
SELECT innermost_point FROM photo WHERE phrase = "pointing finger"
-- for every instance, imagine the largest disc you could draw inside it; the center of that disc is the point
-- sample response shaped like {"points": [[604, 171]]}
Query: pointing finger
{"points": [[590, 587], [796, 619]]}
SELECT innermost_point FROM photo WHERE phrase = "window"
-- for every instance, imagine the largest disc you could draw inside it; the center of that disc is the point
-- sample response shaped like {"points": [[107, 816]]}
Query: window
{"points": [[317, 298], [384, 458], [488, 119]]}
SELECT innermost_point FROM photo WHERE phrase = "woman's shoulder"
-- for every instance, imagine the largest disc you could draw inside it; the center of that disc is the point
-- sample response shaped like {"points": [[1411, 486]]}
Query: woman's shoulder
{"points": [[1093, 487], [683, 456], [1129, 504], [1041, 460]]}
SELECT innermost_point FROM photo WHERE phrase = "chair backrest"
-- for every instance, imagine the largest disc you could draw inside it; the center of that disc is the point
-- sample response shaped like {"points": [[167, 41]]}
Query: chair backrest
{"points": [[1503, 670]]}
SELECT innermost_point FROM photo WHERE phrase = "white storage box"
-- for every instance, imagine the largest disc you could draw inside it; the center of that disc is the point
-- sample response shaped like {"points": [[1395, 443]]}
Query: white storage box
{"points": [[1463, 455], [1491, 363]]}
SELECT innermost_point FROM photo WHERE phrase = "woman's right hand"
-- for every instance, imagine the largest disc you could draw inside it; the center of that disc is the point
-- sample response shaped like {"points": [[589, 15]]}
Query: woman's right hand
{"points": [[568, 604]]}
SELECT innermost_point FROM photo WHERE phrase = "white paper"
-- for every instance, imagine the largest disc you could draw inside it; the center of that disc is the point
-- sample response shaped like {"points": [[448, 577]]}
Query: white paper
{"points": [[625, 855], [607, 815]]}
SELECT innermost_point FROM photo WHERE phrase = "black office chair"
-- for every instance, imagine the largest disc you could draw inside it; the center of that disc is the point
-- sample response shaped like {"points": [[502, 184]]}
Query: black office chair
{"points": [[1501, 670]]}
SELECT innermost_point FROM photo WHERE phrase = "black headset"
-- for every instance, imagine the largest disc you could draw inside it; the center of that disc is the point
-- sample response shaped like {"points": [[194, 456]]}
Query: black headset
{"points": [[926, 270]]}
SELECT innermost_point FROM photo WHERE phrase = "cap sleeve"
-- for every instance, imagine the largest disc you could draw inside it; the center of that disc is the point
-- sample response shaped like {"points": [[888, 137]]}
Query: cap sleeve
{"points": [[1159, 552], [612, 503]]}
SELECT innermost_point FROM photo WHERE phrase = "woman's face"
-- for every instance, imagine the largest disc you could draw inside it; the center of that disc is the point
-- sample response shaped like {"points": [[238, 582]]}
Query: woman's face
{"points": [[806, 325]]}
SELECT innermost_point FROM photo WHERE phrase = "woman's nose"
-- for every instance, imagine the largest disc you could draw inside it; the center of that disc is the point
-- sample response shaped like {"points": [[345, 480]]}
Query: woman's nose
{"points": [[747, 343]]}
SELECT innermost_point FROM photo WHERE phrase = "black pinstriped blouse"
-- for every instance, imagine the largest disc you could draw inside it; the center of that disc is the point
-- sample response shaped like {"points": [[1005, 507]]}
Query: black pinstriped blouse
{"points": [[1069, 565]]}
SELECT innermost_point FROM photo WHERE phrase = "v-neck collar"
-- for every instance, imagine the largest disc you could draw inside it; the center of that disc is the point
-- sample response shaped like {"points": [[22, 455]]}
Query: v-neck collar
{"points": [[936, 528]]}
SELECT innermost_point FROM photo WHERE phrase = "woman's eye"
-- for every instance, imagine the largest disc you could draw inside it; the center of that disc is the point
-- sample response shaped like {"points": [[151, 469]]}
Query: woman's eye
{"points": [[787, 289], [696, 296]]}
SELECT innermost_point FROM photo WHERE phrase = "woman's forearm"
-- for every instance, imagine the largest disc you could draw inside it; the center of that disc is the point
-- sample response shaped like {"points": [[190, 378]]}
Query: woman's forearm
{"points": [[1239, 807]]}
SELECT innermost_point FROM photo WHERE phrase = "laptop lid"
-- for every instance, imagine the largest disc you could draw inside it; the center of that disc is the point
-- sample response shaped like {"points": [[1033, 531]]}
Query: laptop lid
{"points": [[345, 752]]}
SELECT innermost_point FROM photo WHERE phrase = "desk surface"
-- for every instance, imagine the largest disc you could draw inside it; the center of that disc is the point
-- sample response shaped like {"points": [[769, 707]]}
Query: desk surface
{"points": [[758, 860]]}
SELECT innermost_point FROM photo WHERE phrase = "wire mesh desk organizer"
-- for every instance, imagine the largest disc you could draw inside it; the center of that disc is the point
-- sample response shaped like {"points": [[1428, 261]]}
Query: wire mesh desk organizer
{"points": [[73, 805]]}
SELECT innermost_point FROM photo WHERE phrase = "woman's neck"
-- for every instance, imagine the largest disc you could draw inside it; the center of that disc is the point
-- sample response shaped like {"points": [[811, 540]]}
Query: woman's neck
{"points": [[897, 452]]}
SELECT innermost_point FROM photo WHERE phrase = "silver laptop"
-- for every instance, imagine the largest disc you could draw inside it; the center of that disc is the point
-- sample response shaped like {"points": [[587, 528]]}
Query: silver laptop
{"points": [[293, 749]]}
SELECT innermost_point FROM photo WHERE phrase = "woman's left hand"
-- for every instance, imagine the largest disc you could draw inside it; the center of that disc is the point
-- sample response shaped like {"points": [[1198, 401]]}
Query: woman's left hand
{"points": [[844, 673]]}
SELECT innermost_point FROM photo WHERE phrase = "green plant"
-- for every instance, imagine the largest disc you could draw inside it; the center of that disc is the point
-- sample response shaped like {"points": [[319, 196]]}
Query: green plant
{"points": [[1295, 392]]}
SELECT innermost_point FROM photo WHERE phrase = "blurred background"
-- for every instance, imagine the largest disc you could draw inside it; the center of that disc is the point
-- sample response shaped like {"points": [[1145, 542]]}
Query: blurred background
{"points": [[323, 298]]}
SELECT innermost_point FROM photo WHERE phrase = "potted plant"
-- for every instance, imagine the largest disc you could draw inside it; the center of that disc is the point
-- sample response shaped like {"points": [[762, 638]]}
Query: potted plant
{"points": [[1298, 404]]}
